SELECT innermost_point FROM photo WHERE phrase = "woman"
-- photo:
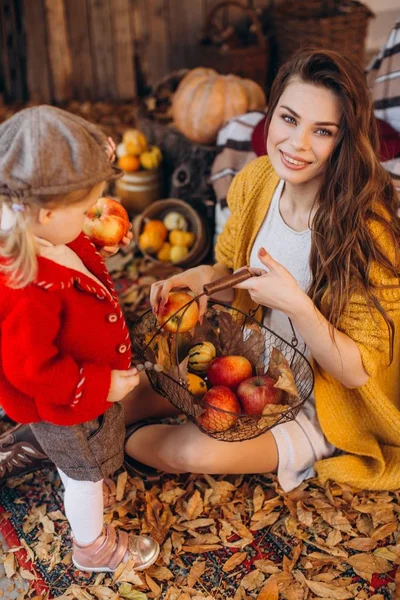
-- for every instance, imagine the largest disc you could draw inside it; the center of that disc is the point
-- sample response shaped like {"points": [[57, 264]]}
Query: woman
{"points": [[318, 216]]}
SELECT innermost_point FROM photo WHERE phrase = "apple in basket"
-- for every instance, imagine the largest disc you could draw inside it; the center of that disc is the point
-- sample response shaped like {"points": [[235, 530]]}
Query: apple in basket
{"points": [[229, 371], [257, 392], [106, 222], [185, 319], [220, 398]]}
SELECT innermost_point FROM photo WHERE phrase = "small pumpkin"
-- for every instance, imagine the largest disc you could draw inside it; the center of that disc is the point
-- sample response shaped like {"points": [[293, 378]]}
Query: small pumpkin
{"points": [[182, 238], [196, 385], [174, 220], [204, 100], [150, 241], [164, 253], [158, 226], [129, 163], [178, 253], [200, 356], [151, 159], [135, 142]]}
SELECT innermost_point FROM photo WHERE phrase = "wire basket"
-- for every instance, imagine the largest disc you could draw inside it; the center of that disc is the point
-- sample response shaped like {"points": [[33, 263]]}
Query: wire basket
{"points": [[232, 333]]}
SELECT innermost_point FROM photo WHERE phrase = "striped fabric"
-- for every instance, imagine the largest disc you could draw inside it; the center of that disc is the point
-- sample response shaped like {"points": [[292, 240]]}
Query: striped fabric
{"points": [[383, 76]]}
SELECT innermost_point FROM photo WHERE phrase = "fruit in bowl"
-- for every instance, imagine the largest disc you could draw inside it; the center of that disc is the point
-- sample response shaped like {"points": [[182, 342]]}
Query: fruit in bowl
{"points": [[106, 223], [257, 392], [216, 401], [229, 371], [185, 318]]}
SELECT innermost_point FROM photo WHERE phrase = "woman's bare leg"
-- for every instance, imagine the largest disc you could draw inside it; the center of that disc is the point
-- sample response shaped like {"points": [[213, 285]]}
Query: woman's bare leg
{"points": [[185, 449], [144, 403]]}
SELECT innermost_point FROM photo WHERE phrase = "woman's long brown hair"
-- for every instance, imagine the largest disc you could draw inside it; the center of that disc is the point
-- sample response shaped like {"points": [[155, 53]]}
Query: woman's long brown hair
{"points": [[355, 190]]}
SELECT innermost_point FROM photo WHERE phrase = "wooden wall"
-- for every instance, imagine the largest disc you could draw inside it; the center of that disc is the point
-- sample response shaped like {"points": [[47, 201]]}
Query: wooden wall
{"points": [[57, 50]]}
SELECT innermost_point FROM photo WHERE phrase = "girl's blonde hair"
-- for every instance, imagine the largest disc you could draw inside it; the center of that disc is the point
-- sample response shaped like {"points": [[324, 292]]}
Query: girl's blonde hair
{"points": [[18, 249]]}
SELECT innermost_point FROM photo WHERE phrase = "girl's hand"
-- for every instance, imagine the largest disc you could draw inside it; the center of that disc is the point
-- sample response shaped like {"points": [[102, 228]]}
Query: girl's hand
{"points": [[276, 288], [122, 382], [108, 251], [194, 279]]}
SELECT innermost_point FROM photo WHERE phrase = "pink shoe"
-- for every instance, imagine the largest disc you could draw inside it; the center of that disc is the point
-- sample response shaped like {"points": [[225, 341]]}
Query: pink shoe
{"points": [[113, 547]]}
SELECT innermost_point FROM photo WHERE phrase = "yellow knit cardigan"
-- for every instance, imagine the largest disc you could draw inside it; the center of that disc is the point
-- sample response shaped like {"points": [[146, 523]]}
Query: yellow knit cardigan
{"points": [[365, 422]]}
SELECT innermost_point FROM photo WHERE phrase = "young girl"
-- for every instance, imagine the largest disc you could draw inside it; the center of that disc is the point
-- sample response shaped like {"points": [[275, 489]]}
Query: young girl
{"points": [[65, 351]]}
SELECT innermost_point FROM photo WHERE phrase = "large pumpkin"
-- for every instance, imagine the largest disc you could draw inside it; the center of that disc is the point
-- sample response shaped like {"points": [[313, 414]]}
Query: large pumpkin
{"points": [[205, 100]]}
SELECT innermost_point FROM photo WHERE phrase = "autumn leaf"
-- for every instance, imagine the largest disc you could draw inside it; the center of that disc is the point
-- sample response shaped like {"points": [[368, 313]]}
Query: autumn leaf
{"points": [[269, 591], [195, 573], [233, 561], [127, 592], [279, 369], [365, 565], [324, 590]]}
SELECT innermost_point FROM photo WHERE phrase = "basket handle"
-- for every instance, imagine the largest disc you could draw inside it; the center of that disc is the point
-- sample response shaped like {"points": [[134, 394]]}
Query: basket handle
{"points": [[252, 14], [227, 281]]}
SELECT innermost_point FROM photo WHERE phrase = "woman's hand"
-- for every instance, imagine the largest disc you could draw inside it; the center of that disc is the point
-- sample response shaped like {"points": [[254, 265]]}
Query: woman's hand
{"points": [[194, 279], [108, 251], [275, 288]]}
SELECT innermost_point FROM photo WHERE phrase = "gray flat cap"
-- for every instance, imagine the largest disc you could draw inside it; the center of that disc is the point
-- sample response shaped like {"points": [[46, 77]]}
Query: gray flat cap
{"points": [[45, 150]]}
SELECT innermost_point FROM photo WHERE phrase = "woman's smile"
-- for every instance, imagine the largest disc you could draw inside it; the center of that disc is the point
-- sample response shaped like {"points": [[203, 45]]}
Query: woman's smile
{"points": [[292, 162]]}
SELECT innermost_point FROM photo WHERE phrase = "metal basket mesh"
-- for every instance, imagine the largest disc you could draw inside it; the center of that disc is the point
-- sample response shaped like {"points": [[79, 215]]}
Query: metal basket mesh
{"points": [[232, 332]]}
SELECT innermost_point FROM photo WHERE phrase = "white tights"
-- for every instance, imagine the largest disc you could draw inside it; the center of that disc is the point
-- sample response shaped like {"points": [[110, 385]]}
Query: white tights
{"points": [[84, 505]]}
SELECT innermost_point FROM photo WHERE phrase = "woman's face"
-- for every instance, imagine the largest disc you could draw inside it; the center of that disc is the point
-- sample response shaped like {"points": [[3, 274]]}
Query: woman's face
{"points": [[303, 131]]}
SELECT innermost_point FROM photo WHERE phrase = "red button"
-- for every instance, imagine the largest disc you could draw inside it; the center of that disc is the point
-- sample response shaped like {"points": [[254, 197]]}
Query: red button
{"points": [[122, 348], [112, 318]]}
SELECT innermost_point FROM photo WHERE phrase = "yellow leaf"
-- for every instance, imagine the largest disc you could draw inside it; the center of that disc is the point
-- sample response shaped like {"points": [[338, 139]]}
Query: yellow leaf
{"points": [[129, 593], [325, 590], [270, 591], [202, 548], [154, 587], [9, 565], [233, 561], [196, 572], [121, 483], [365, 565], [364, 544], [194, 506]]}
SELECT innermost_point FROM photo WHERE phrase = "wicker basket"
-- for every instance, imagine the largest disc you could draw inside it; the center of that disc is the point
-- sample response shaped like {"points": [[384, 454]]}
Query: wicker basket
{"points": [[250, 62], [247, 338], [343, 30]]}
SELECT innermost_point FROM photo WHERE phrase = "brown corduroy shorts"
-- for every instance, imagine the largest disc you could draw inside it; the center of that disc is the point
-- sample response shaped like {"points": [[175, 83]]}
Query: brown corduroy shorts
{"points": [[89, 451]]}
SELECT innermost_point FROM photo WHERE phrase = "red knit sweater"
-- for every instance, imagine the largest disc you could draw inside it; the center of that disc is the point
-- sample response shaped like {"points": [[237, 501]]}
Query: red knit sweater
{"points": [[60, 337]]}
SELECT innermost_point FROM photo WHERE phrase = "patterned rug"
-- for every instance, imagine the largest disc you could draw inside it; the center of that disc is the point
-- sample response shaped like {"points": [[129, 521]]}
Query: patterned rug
{"points": [[32, 520]]}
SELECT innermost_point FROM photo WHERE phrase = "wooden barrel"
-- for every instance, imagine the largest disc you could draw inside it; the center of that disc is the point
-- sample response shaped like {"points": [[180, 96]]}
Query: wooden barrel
{"points": [[138, 190]]}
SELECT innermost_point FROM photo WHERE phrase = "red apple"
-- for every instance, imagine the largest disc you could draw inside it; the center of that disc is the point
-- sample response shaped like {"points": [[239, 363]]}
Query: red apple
{"points": [[185, 319], [219, 397], [255, 393], [229, 371], [106, 222]]}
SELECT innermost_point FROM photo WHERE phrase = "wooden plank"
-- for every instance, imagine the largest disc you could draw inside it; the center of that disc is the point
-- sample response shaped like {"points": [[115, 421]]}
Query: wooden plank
{"points": [[58, 50], [12, 50], [124, 69], [139, 18], [101, 42], [38, 68], [185, 26], [79, 42], [158, 49]]}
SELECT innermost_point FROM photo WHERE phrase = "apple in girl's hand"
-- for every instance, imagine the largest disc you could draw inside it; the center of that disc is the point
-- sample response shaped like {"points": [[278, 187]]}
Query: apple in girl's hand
{"points": [[219, 397], [185, 319], [106, 222], [255, 393], [229, 371]]}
